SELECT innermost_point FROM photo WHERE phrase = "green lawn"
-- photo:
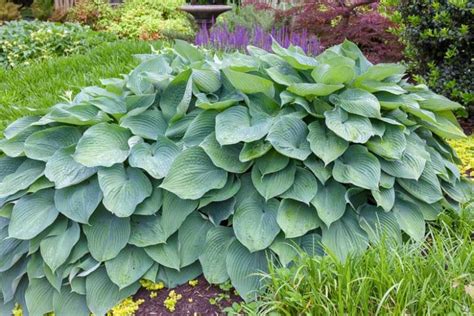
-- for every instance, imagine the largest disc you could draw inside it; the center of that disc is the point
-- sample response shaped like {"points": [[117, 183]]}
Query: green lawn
{"points": [[41, 85]]}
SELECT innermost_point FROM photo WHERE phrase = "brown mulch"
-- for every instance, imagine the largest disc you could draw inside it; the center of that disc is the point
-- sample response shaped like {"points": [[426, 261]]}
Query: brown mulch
{"points": [[195, 300], [467, 125]]}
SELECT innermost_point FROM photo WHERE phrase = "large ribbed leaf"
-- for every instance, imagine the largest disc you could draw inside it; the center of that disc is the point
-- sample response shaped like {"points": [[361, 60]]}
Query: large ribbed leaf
{"points": [[254, 150], [147, 231], [43, 144], [39, 297], [351, 127], [324, 143], [155, 159], [24, 176], [149, 124], [56, 249], [103, 145], [304, 187], [32, 214], [385, 198], [152, 204], [225, 157], [380, 226], [330, 202], [271, 162], [64, 171], [236, 125], [128, 267], [14, 147], [345, 237], [192, 174], [102, 294], [427, 188], [255, 224], [177, 96], [213, 259], [248, 83], [296, 218], [288, 137], [19, 126], [107, 235], [201, 126], [357, 101], [175, 212], [358, 167], [333, 69], [243, 268], [276, 183], [323, 173], [410, 218], [314, 89], [66, 301], [124, 188], [391, 145]]}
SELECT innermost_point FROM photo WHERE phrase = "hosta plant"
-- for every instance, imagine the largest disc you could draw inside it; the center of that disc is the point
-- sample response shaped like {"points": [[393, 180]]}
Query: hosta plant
{"points": [[197, 164]]}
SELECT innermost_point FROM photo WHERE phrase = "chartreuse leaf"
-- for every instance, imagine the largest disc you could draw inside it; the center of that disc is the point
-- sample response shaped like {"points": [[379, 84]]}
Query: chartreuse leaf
{"points": [[43, 144], [64, 171], [288, 137], [304, 187], [150, 124], [330, 202], [103, 145], [324, 143], [357, 101], [248, 83], [124, 188], [193, 174], [235, 125], [128, 267], [276, 183], [345, 237], [380, 226], [106, 235], [213, 258], [25, 175], [102, 294], [177, 96], [243, 267], [351, 127], [358, 167], [32, 214], [296, 218], [55, 250], [255, 224]]}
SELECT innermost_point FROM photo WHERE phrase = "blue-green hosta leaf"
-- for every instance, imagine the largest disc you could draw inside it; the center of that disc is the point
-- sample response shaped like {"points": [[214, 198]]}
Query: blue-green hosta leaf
{"points": [[225, 157], [381, 86], [304, 187], [410, 218], [55, 250], [381, 71], [139, 103], [330, 202], [380, 226], [43, 144], [19, 126], [296, 218], [66, 301], [288, 137], [103, 145], [11, 250], [254, 150], [297, 59], [230, 189], [323, 173], [128, 267], [32, 214], [64, 171], [39, 297], [385, 198], [173, 278], [219, 211], [147, 231], [446, 125], [286, 249], [236, 125], [124, 188], [386, 181], [10, 280], [391, 145], [207, 80], [427, 188], [200, 128], [155, 159], [314, 89], [345, 237], [78, 202], [284, 74], [276, 183], [255, 224], [193, 174], [80, 114], [25, 175], [15, 146], [176, 98], [271, 162], [218, 103], [111, 104], [188, 51], [152, 204], [436, 102], [9, 165], [461, 191], [177, 128], [150, 124], [213, 258], [243, 268], [358, 167], [351, 127], [357, 101], [103, 294], [247, 83], [175, 212], [106, 235], [324, 143]]}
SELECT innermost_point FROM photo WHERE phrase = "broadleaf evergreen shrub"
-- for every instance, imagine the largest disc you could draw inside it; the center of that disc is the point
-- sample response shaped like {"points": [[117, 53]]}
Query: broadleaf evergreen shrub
{"points": [[194, 163]]}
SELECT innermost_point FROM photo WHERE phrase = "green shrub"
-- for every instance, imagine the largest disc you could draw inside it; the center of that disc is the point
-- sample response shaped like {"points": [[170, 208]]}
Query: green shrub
{"points": [[194, 163], [438, 39], [8, 11], [249, 17], [37, 87], [22, 42], [42, 9]]}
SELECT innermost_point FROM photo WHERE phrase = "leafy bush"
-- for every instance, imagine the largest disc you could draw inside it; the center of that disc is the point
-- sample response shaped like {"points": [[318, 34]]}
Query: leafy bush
{"points": [[23, 42], [143, 19], [8, 11], [42, 9], [438, 40], [249, 17], [194, 163]]}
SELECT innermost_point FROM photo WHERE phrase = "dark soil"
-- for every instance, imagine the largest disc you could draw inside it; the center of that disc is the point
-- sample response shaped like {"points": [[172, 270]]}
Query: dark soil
{"points": [[467, 124], [195, 300]]}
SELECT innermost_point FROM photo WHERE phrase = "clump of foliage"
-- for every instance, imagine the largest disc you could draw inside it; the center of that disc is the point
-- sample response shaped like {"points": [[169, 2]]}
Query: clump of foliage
{"points": [[22, 42], [139, 19], [465, 150], [248, 16], [196, 163], [42, 9], [438, 40], [334, 21], [8, 11]]}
